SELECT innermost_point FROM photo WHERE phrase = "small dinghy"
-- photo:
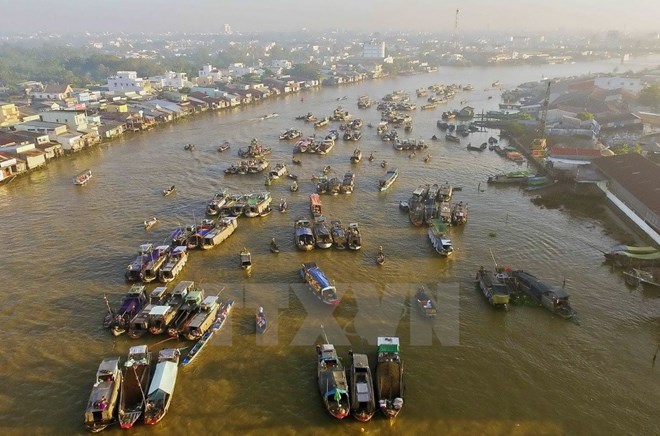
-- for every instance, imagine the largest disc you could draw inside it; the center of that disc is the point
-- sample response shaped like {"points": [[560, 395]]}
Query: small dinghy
{"points": [[169, 190], [283, 206], [246, 259], [260, 321], [380, 257], [150, 223], [273, 246]]}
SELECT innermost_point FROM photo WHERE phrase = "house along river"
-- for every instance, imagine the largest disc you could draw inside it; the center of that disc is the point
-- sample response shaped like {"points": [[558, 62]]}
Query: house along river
{"points": [[474, 370]]}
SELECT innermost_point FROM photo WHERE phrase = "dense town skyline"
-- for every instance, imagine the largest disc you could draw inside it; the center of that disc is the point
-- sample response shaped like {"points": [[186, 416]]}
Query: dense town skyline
{"points": [[150, 16]]}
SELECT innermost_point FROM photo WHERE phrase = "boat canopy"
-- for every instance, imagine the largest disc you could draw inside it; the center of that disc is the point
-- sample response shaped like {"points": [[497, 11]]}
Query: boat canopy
{"points": [[336, 392], [388, 344], [362, 391], [164, 378], [158, 292], [159, 310], [360, 361], [209, 302], [107, 367], [318, 275], [183, 287], [439, 227], [179, 250]]}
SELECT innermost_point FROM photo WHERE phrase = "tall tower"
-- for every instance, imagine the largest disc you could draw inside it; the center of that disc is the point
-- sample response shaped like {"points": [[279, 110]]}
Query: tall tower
{"points": [[455, 38]]}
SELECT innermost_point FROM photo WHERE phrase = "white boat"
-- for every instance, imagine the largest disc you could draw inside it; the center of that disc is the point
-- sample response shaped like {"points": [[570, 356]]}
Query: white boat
{"points": [[224, 228], [258, 205], [102, 401], [388, 179], [136, 375], [162, 385], [279, 170], [174, 265], [82, 178]]}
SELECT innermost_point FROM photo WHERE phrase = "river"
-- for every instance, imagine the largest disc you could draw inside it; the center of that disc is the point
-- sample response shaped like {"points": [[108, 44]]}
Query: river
{"points": [[474, 370]]}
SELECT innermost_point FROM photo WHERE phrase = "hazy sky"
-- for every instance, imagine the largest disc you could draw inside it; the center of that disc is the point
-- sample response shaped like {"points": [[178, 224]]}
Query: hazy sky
{"points": [[73, 16]]}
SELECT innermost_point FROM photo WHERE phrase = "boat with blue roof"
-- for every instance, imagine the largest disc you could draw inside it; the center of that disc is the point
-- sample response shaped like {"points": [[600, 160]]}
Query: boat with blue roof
{"points": [[319, 283]]}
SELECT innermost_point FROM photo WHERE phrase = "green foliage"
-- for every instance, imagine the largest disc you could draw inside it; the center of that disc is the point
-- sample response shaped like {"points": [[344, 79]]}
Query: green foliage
{"points": [[650, 96], [524, 116], [517, 129], [185, 90], [585, 116], [310, 71]]}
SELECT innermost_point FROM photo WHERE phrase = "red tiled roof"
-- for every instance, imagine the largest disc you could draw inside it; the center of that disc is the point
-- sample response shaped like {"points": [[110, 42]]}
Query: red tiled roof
{"points": [[574, 151]]}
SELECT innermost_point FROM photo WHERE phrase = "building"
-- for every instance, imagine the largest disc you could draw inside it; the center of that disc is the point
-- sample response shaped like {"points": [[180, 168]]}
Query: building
{"points": [[128, 81], [634, 182], [373, 50], [9, 114], [76, 120], [569, 159], [53, 92], [7, 167], [631, 84], [170, 80], [208, 75], [57, 132]]}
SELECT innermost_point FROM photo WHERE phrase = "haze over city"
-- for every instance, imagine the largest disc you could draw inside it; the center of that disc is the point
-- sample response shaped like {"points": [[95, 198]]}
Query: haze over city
{"points": [[208, 16]]}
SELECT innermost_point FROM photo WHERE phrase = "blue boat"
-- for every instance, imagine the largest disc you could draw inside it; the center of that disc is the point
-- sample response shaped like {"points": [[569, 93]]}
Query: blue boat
{"points": [[319, 283]]}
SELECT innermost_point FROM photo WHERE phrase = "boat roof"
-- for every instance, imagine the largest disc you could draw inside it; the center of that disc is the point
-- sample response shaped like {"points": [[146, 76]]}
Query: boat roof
{"points": [[438, 225], [108, 366], [209, 301], [168, 353], [146, 247], [360, 360], [327, 347], [162, 247], [319, 277], [158, 292], [180, 249], [164, 378], [159, 310], [315, 199], [183, 287], [387, 344], [137, 349]]}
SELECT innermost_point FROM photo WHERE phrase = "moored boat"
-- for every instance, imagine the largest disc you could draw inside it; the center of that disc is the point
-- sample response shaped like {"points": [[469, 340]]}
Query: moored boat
{"points": [[162, 385], [185, 313], [459, 213], [131, 304], [348, 183], [551, 297], [203, 319], [315, 206], [388, 179], [139, 324], [175, 263], [338, 234], [322, 234], [221, 318], [513, 177], [319, 283], [332, 383], [437, 235], [361, 389], [157, 260], [425, 303], [102, 403], [648, 277], [136, 375], [162, 315], [224, 228], [303, 235], [496, 286], [389, 376], [219, 199], [135, 270]]}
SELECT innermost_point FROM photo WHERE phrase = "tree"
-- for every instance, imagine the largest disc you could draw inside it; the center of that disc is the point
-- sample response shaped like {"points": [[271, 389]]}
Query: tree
{"points": [[517, 129], [585, 116], [650, 96], [311, 71]]}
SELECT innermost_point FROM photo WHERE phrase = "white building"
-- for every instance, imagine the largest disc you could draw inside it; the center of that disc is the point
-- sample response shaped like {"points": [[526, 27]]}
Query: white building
{"points": [[630, 84], [76, 120], [373, 50], [208, 75], [170, 80], [128, 81]]}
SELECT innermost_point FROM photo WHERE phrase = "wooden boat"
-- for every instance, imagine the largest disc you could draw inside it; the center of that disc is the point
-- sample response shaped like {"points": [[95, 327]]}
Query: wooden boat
{"points": [[319, 283], [169, 190], [257, 204], [361, 389], [445, 192], [102, 403], [157, 260], [389, 376], [353, 237], [185, 312], [496, 286], [321, 232], [452, 138], [161, 316], [224, 228], [315, 207], [279, 170], [136, 375], [150, 223], [162, 385], [203, 319], [136, 269], [131, 304], [348, 183], [338, 234], [217, 202], [82, 178], [254, 151], [175, 263], [333, 386], [189, 147], [273, 246], [294, 187], [482, 147], [425, 303], [303, 236], [246, 259], [629, 256], [388, 179], [380, 257], [551, 297], [513, 177], [357, 156], [322, 122], [224, 147], [440, 242], [139, 324], [223, 314], [268, 116], [290, 134], [260, 320], [459, 213]]}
